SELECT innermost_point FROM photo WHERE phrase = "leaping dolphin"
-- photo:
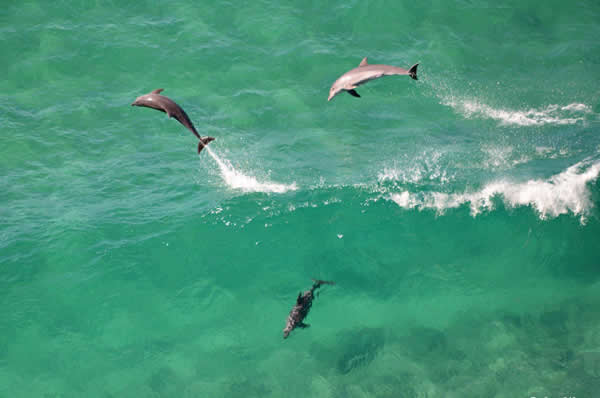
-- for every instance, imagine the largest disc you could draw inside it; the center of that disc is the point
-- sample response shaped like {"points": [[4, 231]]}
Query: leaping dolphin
{"points": [[302, 307], [365, 72], [165, 104]]}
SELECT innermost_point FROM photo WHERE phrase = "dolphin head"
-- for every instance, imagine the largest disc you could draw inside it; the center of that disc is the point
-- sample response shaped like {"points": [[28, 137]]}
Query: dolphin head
{"points": [[142, 100], [287, 330], [335, 89]]}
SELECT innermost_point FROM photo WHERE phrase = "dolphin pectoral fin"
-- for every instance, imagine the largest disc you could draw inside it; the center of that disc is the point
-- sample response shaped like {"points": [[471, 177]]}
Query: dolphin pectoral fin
{"points": [[363, 62], [157, 91], [303, 325], [353, 93]]}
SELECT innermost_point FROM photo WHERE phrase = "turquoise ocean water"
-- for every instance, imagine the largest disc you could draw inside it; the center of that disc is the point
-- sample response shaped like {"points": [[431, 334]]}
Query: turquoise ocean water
{"points": [[458, 214]]}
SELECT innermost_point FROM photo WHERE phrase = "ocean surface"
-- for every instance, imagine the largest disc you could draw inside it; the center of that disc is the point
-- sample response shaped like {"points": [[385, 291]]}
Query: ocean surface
{"points": [[457, 214]]}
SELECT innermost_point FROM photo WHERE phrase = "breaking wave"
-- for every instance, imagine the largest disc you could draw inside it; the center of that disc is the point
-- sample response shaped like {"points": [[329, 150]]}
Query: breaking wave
{"points": [[560, 194]]}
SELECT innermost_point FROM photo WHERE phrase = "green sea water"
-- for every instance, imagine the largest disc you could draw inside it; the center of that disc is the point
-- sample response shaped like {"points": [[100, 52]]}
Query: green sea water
{"points": [[457, 214]]}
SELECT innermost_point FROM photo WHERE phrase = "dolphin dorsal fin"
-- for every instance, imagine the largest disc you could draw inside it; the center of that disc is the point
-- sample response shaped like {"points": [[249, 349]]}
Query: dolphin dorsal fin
{"points": [[363, 62], [157, 91]]}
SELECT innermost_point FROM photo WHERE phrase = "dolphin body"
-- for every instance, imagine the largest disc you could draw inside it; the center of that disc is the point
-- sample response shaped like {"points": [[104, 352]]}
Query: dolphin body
{"points": [[165, 104], [365, 72], [302, 307]]}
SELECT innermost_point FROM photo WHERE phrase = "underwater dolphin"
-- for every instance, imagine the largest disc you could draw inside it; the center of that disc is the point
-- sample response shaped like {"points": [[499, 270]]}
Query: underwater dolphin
{"points": [[302, 307], [365, 72], [165, 104]]}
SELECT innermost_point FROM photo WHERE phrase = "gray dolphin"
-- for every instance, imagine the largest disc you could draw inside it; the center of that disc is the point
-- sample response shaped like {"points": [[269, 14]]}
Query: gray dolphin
{"points": [[365, 72], [302, 307], [165, 104]]}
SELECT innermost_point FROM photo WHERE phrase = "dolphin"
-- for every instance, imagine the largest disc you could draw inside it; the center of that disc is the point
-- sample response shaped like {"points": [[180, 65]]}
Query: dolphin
{"points": [[302, 307], [165, 104], [365, 72]]}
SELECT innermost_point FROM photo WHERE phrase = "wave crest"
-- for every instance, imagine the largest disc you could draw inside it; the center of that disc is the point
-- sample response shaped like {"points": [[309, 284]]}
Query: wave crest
{"points": [[560, 194]]}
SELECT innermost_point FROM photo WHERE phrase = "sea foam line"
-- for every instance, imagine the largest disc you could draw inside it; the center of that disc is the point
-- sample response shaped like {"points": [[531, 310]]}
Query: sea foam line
{"points": [[552, 114], [560, 194], [237, 180]]}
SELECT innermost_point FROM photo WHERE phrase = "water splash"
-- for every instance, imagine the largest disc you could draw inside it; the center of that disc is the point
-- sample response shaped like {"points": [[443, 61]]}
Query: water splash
{"points": [[427, 166], [236, 180]]}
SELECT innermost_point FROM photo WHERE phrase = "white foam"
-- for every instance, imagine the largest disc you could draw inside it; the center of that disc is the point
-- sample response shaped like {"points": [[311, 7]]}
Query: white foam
{"points": [[408, 175], [423, 167], [501, 158], [552, 114], [577, 108], [560, 194], [237, 180]]}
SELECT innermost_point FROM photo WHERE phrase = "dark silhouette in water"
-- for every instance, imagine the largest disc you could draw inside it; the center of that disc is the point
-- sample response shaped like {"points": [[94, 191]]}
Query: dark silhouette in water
{"points": [[165, 104], [302, 307]]}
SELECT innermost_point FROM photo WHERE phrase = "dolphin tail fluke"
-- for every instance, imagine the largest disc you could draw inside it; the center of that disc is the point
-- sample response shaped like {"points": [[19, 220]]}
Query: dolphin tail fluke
{"points": [[412, 72], [318, 282], [204, 142]]}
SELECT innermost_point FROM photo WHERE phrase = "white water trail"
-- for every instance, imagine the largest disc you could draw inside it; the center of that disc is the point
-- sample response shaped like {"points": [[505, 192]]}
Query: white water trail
{"points": [[236, 180], [472, 106], [552, 114]]}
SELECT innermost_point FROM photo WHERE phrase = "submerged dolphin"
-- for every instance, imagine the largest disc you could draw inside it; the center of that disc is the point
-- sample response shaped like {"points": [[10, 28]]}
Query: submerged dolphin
{"points": [[302, 307], [365, 72], [164, 104]]}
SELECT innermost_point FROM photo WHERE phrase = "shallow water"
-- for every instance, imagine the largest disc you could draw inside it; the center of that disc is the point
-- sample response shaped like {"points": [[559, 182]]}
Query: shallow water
{"points": [[457, 214]]}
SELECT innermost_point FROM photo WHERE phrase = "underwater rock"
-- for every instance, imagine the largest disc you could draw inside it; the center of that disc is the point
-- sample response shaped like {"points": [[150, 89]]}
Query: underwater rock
{"points": [[359, 348], [245, 387], [392, 385], [424, 341], [555, 323], [164, 382], [511, 319]]}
